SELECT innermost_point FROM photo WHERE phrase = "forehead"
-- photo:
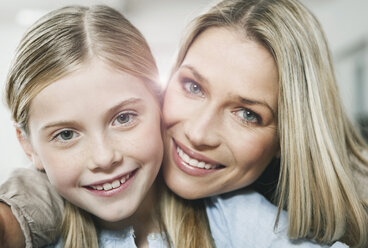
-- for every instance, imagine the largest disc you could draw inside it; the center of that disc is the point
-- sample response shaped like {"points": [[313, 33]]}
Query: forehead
{"points": [[94, 85], [225, 57]]}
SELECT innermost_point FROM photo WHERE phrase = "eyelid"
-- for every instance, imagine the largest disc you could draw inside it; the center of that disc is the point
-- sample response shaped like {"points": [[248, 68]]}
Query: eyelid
{"points": [[131, 113], [56, 134], [185, 80], [257, 116]]}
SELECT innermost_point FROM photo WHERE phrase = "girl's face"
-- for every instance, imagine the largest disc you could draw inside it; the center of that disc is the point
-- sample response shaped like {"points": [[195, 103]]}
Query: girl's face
{"points": [[220, 111], [96, 132]]}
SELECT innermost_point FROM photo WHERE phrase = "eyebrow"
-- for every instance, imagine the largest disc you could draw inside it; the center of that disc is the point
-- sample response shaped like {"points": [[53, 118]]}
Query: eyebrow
{"points": [[244, 100], [196, 74], [126, 102], [255, 102]]}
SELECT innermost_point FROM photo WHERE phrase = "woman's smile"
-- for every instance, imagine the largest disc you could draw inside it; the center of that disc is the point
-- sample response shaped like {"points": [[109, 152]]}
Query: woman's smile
{"points": [[220, 111], [192, 162]]}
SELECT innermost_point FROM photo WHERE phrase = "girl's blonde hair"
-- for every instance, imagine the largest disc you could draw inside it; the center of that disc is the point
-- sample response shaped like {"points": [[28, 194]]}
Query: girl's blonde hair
{"points": [[58, 44], [317, 141]]}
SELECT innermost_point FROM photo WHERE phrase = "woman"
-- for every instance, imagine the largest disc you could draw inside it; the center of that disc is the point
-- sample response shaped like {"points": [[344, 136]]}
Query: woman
{"points": [[254, 84], [303, 124]]}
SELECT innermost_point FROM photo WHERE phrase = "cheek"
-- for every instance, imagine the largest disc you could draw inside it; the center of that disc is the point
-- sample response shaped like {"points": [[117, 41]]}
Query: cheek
{"points": [[175, 104], [150, 148], [168, 106], [255, 151], [63, 170]]}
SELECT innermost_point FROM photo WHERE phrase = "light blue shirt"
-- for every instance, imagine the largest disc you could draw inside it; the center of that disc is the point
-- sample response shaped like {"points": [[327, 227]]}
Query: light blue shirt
{"points": [[238, 219], [246, 219], [123, 238]]}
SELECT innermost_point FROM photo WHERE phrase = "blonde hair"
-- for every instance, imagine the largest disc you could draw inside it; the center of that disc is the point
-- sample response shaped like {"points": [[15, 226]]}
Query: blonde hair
{"points": [[58, 44], [183, 218], [317, 141]]}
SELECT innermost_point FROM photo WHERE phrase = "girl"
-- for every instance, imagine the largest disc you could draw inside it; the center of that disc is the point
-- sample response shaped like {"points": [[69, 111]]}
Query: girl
{"points": [[82, 91]]}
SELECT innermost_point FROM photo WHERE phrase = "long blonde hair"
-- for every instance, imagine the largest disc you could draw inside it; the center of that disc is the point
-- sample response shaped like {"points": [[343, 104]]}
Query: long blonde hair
{"points": [[58, 44], [317, 141]]}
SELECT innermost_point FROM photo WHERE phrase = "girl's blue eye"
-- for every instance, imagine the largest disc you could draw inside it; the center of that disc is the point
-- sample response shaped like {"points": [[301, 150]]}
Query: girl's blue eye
{"points": [[248, 116], [65, 135], [193, 88], [124, 119]]}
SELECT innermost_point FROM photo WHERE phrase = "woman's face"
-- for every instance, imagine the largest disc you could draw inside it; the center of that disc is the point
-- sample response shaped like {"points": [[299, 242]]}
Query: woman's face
{"points": [[220, 111]]}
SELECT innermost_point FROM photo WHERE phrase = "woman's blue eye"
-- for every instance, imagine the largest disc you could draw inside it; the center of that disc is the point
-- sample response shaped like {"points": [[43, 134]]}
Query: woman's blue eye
{"points": [[193, 88], [248, 116]]}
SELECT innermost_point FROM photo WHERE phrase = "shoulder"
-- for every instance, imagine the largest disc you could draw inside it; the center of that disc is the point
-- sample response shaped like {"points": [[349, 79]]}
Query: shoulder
{"points": [[58, 244], [245, 218]]}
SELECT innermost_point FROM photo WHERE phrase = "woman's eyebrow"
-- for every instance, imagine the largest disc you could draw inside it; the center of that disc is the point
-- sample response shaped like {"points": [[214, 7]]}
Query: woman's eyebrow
{"points": [[196, 74], [257, 102], [244, 100]]}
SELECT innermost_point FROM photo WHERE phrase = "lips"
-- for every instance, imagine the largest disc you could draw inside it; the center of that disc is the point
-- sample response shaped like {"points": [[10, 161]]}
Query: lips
{"points": [[193, 163], [112, 186]]}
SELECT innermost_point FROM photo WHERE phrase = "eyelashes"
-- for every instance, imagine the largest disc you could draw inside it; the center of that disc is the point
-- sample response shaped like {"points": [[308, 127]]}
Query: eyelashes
{"points": [[192, 87], [65, 135], [125, 119], [248, 116]]}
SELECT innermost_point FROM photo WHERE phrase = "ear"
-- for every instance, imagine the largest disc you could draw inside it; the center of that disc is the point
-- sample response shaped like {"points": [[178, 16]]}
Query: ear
{"points": [[28, 148]]}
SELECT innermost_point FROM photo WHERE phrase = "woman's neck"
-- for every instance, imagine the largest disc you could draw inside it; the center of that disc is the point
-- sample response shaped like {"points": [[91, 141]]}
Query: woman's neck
{"points": [[144, 220]]}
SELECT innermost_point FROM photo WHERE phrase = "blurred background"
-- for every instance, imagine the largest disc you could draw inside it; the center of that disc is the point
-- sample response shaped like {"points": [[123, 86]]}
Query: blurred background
{"points": [[162, 23]]}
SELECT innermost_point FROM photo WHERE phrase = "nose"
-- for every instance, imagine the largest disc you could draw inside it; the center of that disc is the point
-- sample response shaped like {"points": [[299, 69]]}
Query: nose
{"points": [[103, 154], [203, 130]]}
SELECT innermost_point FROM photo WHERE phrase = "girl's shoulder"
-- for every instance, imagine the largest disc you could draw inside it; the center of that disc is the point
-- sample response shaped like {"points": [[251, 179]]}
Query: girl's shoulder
{"points": [[245, 218]]}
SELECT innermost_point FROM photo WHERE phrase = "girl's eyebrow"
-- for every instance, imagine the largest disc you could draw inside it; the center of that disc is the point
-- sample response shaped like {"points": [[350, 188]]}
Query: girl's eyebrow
{"points": [[111, 111], [58, 124], [127, 102]]}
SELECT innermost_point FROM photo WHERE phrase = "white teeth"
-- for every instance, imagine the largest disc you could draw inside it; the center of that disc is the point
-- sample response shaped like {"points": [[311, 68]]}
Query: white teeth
{"points": [[193, 162], [201, 164], [186, 158], [115, 184], [107, 186]]}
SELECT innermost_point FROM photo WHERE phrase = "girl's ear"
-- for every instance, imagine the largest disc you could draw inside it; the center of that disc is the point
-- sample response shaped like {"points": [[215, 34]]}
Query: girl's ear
{"points": [[28, 148]]}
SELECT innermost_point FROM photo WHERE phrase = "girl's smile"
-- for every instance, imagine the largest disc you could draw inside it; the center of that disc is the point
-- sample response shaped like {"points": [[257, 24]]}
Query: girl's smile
{"points": [[113, 186], [96, 132]]}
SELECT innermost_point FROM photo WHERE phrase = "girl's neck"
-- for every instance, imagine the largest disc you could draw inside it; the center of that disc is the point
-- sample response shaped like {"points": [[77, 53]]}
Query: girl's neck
{"points": [[144, 220]]}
